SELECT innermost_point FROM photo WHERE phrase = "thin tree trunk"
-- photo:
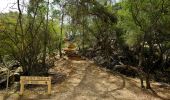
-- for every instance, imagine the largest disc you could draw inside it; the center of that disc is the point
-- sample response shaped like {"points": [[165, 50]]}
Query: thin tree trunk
{"points": [[45, 37], [140, 72], [149, 65], [61, 33], [19, 20], [7, 82], [148, 86], [140, 69], [83, 35]]}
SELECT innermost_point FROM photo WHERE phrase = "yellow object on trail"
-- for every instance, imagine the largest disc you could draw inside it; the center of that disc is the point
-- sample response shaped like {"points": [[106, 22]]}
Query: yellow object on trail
{"points": [[71, 46], [70, 51]]}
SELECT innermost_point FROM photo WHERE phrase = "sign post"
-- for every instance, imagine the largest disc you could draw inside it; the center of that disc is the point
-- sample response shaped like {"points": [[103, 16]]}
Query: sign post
{"points": [[35, 80]]}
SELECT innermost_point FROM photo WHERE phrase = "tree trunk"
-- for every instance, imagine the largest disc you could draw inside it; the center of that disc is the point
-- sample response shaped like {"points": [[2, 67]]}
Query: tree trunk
{"points": [[83, 34], [149, 64], [148, 86], [61, 33], [140, 69], [141, 82], [1, 59], [45, 37]]}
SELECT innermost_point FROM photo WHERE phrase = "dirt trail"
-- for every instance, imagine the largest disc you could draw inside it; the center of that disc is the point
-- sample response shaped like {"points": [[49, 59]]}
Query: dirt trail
{"points": [[86, 81]]}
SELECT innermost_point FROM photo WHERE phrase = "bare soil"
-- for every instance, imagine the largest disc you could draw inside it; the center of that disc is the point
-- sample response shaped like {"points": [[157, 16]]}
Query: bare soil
{"points": [[78, 79]]}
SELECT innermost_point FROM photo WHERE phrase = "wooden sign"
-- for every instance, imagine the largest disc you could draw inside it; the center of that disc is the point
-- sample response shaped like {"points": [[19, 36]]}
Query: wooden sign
{"points": [[35, 80]]}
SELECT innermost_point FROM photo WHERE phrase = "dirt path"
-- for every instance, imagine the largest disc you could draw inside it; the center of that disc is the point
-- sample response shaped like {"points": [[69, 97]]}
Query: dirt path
{"points": [[86, 81]]}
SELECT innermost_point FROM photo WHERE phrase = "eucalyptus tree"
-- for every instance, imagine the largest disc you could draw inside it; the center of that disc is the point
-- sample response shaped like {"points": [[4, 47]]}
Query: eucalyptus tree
{"points": [[142, 21], [93, 21], [25, 37]]}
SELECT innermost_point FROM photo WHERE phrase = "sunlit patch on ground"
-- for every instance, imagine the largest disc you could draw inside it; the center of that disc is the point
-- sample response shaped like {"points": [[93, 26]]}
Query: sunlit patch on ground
{"points": [[84, 80]]}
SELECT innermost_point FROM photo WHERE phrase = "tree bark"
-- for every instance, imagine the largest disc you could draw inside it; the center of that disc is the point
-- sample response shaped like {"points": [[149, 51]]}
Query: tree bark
{"points": [[45, 37], [149, 64], [148, 86], [61, 33], [140, 69]]}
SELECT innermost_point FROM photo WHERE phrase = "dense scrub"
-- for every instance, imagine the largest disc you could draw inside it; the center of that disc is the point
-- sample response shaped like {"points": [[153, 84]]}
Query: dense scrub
{"points": [[131, 36]]}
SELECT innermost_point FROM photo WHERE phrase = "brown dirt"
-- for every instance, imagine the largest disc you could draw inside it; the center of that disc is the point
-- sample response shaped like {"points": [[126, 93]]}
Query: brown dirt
{"points": [[84, 80]]}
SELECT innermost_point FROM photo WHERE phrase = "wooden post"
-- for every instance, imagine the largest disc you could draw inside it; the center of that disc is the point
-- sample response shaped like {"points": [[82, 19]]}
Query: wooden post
{"points": [[22, 87], [49, 87]]}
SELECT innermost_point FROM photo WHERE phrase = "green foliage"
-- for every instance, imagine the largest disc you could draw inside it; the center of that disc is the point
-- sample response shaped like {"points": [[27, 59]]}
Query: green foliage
{"points": [[27, 46], [144, 26], [140, 25], [54, 35], [132, 33]]}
